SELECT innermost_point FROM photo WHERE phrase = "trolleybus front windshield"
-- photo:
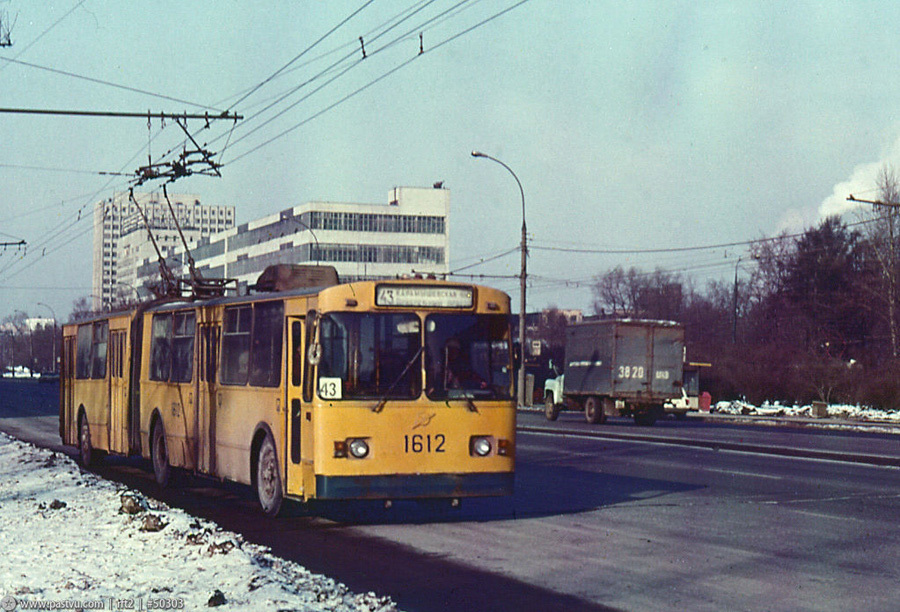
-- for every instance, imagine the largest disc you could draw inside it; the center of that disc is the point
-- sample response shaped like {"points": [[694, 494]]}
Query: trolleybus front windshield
{"points": [[379, 355], [370, 355], [467, 356]]}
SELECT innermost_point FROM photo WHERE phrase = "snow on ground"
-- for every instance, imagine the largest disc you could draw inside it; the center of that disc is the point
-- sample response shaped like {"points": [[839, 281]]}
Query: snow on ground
{"points": [[850, 413], [67, 539]]}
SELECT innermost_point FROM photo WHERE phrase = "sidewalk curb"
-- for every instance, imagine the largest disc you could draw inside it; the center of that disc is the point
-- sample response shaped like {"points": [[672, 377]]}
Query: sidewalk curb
{"points": [[751, 419]]}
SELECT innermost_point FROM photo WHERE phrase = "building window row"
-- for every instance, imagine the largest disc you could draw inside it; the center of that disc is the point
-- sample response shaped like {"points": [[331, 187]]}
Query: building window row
{"points": [[372, 222], [359, 253]]}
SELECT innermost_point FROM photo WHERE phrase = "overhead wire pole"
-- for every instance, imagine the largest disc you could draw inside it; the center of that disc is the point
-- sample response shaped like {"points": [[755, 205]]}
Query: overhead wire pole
{"points": [[890, 271], [522, 281]]}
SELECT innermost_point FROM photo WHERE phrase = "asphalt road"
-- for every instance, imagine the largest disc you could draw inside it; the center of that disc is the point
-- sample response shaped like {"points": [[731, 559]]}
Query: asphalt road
{"points": [[636, 521]]}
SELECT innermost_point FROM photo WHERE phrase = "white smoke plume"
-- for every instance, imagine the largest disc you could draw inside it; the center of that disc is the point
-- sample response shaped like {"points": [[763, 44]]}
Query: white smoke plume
{"points": [[862, 184]]}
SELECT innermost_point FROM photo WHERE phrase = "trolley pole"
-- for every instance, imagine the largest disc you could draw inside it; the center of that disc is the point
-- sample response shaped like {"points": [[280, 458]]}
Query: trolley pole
{"points": [[522, 281]]}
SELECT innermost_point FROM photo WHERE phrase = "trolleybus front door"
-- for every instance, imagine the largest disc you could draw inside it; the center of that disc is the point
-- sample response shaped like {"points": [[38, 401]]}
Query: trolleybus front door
{"points": [[298, 412]]}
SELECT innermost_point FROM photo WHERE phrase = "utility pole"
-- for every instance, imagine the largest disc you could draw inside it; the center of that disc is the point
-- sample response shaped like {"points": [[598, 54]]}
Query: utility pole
{"points": [[889, 271], [734, 322]]}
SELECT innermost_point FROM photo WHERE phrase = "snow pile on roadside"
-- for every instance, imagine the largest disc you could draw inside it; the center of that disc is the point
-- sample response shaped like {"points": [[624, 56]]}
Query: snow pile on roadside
{"points": [[857, 413], [70, 536], [850, 413]]}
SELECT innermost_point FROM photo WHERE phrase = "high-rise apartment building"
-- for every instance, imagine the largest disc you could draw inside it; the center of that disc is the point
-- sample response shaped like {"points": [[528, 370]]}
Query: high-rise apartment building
{"points": [[121, 241]]}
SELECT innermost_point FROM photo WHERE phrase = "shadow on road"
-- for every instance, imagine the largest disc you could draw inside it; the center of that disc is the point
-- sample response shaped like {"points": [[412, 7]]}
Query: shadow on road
{"points": [[540, 491]]}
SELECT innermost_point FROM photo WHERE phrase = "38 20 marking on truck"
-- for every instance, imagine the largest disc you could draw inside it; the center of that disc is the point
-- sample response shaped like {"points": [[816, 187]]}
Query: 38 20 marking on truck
{"points": [[626, 372]]}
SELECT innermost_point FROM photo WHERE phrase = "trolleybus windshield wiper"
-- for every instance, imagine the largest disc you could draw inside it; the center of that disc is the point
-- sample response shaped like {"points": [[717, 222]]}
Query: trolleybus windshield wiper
{"points": [[462, 395], [380, 405]]}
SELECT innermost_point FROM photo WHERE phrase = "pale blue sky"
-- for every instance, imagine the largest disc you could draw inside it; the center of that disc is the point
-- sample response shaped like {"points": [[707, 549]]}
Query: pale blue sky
{"points": [[632, 125]]}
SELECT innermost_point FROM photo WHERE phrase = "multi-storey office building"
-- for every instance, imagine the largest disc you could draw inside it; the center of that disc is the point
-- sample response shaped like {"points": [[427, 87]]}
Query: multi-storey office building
{"points": [[121, 243], [410, 233]]}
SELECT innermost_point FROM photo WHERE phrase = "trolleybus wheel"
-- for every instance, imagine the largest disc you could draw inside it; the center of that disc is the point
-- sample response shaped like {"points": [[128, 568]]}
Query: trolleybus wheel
{"points": [[87, 454], [159, 454], [268, 478], [593, 410], [551, 410]]}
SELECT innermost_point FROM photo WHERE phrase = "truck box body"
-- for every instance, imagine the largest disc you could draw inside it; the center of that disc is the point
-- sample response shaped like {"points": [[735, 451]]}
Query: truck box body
{"points": [[634, 360]]}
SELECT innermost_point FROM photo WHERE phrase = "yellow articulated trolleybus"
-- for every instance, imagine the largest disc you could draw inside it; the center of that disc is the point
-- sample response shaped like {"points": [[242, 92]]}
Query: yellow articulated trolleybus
{"points": [[370, 390]]}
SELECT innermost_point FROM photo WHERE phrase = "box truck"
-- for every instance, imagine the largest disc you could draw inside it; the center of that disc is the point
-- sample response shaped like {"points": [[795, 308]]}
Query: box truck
{"points": [[618, 367]]}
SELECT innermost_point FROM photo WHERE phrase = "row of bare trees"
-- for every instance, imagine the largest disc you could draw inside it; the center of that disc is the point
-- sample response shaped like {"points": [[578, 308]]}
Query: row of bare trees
{"points": [[817, 318], [31, 346]]}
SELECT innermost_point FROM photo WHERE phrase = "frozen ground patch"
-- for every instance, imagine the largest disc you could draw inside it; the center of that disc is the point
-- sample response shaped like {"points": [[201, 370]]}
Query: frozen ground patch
{"points": [[69, 536], [836, 411]]}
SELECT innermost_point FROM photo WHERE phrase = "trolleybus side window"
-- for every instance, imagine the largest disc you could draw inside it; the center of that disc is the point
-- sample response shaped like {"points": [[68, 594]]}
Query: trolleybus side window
{"points": [[172, 347], [312, 355], [252, 341], [83, 350], [265, 352], [467, 356], [236, 345], [161, 347], [296, 346], [208, 358], [98, 350], [183, 347], [373, 354]]}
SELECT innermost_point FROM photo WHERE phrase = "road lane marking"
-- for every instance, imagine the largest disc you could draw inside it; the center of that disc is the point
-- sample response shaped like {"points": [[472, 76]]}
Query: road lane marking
{"points": [[842, 518], [739, 473]]}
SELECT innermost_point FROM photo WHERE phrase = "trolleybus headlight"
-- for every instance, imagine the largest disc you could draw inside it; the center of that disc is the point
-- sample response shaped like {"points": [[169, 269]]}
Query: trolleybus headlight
{"points": [[359, 448], [481, 446]]}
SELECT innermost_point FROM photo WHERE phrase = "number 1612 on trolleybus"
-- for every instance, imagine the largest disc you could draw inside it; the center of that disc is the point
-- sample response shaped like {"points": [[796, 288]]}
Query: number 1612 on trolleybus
{"points": [[369, 390]]}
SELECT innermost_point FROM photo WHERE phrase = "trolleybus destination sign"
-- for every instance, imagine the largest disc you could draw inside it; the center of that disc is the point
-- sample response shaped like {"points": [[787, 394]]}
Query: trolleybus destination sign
{"points": [[424, 297]]}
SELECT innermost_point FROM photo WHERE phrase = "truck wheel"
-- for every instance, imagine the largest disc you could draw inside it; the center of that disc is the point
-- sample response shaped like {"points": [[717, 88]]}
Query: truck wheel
{"points": [[593, 410], [551, 410]]}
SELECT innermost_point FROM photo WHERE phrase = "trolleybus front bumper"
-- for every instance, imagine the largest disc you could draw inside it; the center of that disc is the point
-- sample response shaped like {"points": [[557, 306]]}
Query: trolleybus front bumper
{"points": [[414, 486]]}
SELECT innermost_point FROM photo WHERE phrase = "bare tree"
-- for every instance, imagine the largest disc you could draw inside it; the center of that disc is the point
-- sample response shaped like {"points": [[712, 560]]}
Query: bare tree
{"points": [[616, 292], [82, 309]]}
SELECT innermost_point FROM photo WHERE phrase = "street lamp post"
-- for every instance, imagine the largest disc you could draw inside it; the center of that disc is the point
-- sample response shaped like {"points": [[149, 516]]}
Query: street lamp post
{"points": [[522, 277], [53, 342]]}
